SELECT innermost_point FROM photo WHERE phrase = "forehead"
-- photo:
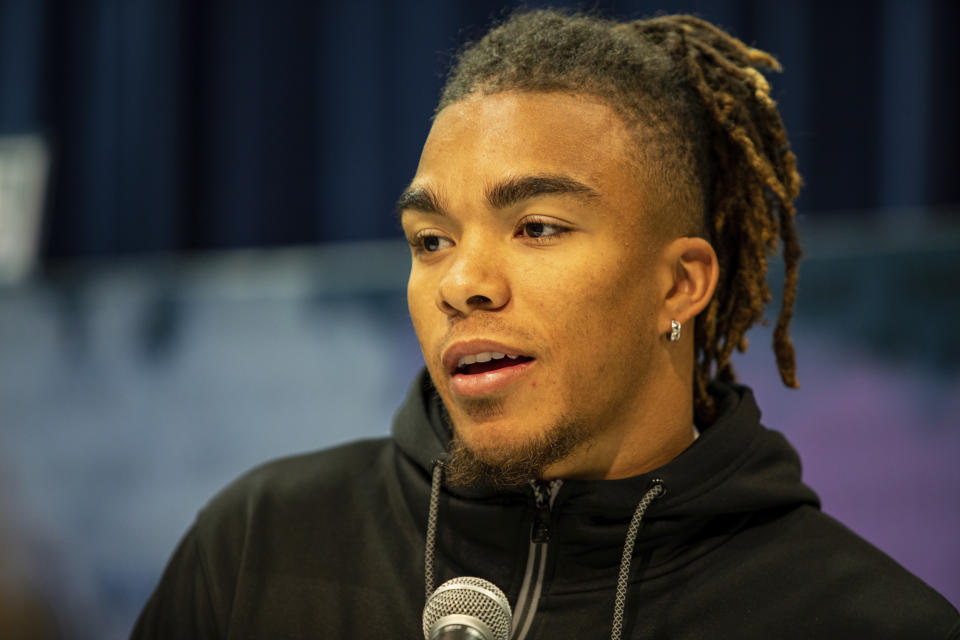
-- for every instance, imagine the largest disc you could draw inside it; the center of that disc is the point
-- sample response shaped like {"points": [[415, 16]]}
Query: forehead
{"points": [[483, 139]]}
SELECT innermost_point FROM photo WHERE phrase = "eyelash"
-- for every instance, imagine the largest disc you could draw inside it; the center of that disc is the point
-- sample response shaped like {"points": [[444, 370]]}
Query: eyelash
{"points": [[418, 241], [546, 222]]}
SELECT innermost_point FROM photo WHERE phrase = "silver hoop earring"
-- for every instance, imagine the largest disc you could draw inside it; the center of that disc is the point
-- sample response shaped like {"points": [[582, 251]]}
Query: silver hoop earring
{"points": [[674, 331]]}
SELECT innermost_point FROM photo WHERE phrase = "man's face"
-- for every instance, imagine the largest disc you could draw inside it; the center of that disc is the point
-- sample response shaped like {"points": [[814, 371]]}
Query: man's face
{"points": [[534, 290]]}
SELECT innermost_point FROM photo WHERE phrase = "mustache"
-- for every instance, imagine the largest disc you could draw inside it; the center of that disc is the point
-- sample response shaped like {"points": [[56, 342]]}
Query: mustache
{"points": [[488, 326]]}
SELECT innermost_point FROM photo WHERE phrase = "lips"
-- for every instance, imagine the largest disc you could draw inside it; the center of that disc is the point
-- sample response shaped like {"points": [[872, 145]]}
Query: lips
{"points": [[488, 361], [481, 367]]}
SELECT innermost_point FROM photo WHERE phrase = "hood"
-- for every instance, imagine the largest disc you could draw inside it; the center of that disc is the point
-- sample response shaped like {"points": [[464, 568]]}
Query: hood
{"points": [[418, 426], [735, 470]]}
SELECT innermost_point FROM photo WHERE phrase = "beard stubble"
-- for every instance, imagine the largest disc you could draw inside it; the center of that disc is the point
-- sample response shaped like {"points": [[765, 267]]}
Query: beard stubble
{"points": [[510, 466]]}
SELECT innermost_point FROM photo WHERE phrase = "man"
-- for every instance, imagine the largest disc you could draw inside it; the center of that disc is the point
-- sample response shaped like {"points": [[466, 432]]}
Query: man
{"points": [[589, 225]]}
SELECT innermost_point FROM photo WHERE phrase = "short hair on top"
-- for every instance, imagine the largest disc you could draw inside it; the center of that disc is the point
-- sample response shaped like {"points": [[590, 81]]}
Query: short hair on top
{"points": [[712, 136]]}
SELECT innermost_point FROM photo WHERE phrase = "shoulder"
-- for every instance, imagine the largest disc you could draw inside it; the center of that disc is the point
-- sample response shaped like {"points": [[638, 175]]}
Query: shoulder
{"points": [[270, 521], [342, 463], [295, 481], [279, 540], [841, 576], [287, 502]]}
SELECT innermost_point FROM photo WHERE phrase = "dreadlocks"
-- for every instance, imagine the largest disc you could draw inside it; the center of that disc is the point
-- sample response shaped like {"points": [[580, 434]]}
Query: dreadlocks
{"points": [[718, 140]]}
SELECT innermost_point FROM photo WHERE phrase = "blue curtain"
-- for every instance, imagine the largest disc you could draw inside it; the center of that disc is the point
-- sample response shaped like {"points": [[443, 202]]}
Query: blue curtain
{"points": [[178, 125]]}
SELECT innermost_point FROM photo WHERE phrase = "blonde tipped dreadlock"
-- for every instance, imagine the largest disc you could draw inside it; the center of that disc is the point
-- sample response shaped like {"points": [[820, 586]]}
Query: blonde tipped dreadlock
{"points": [[722, 138]]}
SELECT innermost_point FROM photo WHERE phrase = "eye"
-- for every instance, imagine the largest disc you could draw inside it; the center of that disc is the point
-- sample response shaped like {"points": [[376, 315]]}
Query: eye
{"points": [[428, 242], [536, 229]]}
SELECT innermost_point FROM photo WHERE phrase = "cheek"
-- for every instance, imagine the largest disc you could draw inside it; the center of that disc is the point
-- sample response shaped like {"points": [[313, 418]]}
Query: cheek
{"points": [[599, 311], [423, 311], [601, 287]]}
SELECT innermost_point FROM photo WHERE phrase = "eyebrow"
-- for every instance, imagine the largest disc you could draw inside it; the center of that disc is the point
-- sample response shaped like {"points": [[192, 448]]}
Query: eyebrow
{"points": [[421, 199], [513, 190], [501, 195]]}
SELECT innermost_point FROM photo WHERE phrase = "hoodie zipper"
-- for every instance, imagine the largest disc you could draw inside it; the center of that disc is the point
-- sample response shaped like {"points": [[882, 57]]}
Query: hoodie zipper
{"points": [[526, 607]]}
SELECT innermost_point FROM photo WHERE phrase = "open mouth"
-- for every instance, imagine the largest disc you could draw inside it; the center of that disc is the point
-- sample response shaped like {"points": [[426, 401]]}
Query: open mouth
{"points": [[486, 362], [476, 372]]}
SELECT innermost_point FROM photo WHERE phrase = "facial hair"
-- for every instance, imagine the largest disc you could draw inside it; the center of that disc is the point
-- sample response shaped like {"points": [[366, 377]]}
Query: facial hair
{"points": [[514, 465]]}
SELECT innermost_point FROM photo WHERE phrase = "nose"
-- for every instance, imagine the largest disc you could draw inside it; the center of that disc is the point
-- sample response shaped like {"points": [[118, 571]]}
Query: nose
{"points": [[474, 281]]}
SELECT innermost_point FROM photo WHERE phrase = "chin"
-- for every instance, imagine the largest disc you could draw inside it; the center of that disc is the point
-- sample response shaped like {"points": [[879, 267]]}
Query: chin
{"points": [[494, 451], [494, 435], [480, 410]]}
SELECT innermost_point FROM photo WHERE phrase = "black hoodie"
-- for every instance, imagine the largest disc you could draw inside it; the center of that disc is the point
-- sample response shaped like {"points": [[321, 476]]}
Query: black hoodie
{"points": [[332, 544]]}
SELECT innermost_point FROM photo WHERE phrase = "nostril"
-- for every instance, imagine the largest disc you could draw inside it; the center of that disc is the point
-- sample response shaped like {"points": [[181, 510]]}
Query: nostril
{"points": [[478, 300]]}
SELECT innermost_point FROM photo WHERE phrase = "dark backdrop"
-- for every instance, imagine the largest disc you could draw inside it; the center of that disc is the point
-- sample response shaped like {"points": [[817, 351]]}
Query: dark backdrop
{"points": [[180, 125]]}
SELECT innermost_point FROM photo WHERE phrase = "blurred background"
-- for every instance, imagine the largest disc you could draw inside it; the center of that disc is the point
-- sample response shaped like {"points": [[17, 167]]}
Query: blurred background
{"points": [[200, 267]]}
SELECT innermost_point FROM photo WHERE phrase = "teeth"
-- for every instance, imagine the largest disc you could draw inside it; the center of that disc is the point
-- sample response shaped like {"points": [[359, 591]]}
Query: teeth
{"points": [[486, 356]]}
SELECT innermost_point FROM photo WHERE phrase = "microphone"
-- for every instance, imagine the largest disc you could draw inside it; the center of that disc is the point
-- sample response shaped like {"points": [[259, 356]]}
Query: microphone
{"points": [[467, 608]]}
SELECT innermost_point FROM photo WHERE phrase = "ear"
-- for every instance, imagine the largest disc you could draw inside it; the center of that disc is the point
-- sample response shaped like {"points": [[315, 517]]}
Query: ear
{"points": [[690, 270]]}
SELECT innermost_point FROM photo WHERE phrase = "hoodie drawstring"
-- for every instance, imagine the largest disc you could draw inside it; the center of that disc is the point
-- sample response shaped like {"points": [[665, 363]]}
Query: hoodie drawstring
{"points": [[431, 544], [620, 601]]}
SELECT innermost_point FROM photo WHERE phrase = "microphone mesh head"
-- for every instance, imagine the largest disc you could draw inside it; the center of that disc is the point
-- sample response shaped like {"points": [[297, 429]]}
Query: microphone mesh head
{"points": [[472, 597]]}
